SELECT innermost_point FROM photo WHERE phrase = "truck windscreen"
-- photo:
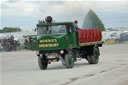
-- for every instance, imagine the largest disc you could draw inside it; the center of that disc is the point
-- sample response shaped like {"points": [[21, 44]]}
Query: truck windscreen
{"points": [[58, 29]]}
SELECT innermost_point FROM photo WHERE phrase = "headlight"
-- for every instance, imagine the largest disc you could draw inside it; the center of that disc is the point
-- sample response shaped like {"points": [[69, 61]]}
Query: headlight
{"points": [[37, 53], [61, 51]]}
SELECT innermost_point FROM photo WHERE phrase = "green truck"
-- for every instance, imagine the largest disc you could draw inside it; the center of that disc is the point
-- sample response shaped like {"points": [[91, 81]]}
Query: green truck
{"points": [[61, 41]]}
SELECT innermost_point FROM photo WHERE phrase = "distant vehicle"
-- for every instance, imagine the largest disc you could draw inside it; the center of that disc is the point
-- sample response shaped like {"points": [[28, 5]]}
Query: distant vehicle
{"points": [[9, 45], [61, 41], [113, 34], [124, 36], [1, 47]]}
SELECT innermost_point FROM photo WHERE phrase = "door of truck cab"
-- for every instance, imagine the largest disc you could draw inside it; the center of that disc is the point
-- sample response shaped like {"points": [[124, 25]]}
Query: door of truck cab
{"points": [[71, 36]]}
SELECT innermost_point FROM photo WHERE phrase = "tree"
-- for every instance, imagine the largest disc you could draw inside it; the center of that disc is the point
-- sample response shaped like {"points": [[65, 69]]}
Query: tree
{"points": [[11, 29], [111, 29], [92, 21]]}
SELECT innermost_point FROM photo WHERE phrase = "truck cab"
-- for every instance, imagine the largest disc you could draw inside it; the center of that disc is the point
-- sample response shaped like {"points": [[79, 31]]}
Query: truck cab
{"points": [[56, 36]]}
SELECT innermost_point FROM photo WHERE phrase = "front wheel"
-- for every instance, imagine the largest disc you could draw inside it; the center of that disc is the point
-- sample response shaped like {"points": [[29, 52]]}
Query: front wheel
{"points": [[43, 62], [69, 59]]}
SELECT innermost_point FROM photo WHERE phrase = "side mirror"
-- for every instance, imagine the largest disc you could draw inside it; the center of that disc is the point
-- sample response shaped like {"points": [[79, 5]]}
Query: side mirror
{"points": [[35, 29]]}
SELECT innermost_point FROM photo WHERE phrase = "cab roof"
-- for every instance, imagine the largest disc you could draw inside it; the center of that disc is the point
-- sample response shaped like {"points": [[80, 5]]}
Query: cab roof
{"points": [[54, 23]]}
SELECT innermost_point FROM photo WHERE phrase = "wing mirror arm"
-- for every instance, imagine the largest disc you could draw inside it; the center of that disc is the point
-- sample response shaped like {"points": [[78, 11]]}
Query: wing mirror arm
{"points": [[69, 31], [35, 29]]}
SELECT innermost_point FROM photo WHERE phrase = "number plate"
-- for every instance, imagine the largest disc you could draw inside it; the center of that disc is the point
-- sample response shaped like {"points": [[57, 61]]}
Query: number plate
{"points": [[52, 56]]}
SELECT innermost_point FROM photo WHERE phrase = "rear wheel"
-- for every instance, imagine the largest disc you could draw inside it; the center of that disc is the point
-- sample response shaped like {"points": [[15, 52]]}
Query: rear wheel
{"points": [[69, 59], [89, 59], [94, 58], [43, 62]]}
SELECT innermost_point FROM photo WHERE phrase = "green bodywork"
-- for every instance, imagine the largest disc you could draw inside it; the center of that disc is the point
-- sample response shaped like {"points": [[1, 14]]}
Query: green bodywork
{"points": [[59, 41]]}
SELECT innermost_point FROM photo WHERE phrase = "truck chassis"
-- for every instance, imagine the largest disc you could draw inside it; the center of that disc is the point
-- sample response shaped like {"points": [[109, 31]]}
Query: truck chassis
{"points": [[68, 56]]}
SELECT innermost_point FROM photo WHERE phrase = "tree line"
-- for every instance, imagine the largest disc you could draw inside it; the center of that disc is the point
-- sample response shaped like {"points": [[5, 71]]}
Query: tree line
{"points": [[10, 29]]}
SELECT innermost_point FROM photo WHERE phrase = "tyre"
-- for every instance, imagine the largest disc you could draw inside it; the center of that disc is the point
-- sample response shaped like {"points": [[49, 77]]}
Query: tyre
{"points": [[43, 62], [94, 57], [69, 59], [89, 59]]}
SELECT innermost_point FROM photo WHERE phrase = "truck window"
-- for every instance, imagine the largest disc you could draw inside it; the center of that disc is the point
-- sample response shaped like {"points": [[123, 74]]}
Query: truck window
{"points": [[58, 29]]}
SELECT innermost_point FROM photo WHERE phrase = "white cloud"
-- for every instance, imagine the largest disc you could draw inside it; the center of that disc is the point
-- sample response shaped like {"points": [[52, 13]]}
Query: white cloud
{"points": [[17, 8], [65, 8], [55, 7], [110, 7], [61, 9]]}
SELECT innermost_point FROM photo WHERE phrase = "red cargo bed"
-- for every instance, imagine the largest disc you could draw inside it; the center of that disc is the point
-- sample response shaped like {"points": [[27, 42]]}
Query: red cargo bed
{"points": [[89, 35]]}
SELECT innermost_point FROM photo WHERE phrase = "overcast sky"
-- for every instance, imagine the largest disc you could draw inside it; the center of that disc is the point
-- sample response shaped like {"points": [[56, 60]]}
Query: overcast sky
{"points": [[26, 13]]}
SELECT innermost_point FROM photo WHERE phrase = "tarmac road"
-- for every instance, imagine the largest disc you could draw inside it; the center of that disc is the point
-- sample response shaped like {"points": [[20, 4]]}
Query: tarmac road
{"points": [[21, 68]]}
